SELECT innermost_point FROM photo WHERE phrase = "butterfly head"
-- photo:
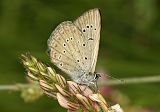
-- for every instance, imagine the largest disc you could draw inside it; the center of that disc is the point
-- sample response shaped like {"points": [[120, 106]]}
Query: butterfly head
{"points": [[97, 75], [90, 78], [93, 81]]}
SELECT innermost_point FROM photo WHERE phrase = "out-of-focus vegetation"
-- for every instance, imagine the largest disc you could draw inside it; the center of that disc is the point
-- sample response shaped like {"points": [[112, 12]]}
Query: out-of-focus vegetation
{"points": [[130, 44]]}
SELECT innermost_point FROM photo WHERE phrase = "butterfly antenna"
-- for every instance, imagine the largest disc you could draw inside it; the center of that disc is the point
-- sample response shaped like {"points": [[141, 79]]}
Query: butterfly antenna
{"points": [[120, 80]]}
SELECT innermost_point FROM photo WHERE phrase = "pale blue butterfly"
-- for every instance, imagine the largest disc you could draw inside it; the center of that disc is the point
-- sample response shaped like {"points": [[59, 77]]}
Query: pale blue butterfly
{"points": [[74, 46]]}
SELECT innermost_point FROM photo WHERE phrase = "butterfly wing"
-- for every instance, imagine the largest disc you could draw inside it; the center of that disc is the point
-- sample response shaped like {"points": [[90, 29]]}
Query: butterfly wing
{"points": [[68, 50], [89, 24]]}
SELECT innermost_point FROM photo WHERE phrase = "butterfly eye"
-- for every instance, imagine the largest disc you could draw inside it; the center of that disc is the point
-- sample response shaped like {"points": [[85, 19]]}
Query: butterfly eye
{"points": [[97, 76], [85, 58]]}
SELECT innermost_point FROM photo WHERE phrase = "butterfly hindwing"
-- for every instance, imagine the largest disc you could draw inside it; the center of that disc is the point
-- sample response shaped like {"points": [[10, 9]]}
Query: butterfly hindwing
{"points": [[68, 49]]}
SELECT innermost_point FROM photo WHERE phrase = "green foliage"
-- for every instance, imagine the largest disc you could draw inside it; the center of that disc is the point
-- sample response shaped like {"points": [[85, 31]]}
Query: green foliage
{"points": [[130, 43]]}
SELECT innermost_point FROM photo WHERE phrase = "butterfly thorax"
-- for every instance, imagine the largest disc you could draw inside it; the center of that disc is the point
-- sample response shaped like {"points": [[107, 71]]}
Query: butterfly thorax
{"points": [[86, 78]]}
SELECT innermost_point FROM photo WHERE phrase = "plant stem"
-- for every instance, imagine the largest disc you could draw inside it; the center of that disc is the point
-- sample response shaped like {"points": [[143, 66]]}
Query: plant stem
{"points": [[15, 87], [136, 80]]}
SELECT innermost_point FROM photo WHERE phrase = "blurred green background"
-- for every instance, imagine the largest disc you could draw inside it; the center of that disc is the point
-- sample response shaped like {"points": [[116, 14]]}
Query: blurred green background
{"points": [[129, 47]]}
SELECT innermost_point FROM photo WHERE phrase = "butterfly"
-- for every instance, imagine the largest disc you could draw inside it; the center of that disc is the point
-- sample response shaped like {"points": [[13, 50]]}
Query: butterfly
{"points": [[73, 47]]}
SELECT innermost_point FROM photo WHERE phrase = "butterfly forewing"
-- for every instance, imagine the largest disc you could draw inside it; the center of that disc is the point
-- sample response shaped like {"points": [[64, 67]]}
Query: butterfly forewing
{"points": [[89, 24]]}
